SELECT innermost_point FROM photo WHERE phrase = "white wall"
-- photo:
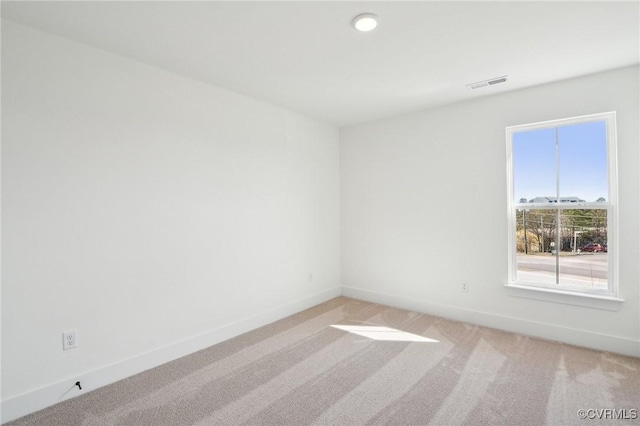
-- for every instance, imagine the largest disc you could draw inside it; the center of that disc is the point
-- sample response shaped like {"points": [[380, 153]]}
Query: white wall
{"points": [[424, 209], [143, 208]]}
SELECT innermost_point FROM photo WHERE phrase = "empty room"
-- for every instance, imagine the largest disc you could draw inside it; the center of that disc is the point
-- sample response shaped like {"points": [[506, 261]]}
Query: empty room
{"points": [[320, 212]]}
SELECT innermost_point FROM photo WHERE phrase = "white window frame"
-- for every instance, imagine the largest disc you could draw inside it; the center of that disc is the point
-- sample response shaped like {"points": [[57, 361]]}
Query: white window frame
{"points": [[611, 205]]}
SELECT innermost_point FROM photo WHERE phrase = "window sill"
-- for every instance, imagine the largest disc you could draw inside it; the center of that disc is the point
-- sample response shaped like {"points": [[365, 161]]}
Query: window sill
{"points": [[588, 300]]}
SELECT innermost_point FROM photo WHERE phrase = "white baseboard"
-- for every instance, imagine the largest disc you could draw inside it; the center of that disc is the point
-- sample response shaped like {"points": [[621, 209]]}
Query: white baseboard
{"points": [[602, 342], [46, 396]]}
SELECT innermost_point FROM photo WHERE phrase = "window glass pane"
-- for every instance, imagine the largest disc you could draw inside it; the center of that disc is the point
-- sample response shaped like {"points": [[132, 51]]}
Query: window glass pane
{"points": [[534, 166], [577, 248], [535, 245], [584, 253], [582, 154]]}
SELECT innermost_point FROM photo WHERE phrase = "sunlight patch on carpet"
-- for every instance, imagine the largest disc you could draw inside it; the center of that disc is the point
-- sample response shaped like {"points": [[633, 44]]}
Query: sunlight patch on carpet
{"points": [[383, 333]]}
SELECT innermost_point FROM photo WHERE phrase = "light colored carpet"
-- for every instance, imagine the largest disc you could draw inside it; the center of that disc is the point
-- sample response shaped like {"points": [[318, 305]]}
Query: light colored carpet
{"points": [[301, 370]]}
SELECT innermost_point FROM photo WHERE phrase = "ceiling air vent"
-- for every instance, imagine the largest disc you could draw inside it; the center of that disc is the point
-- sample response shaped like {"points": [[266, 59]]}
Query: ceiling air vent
{"points": [[489, 82]]}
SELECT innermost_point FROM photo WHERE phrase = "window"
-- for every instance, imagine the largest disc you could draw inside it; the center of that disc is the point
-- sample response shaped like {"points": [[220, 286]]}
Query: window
{"points": [[562, 184]]}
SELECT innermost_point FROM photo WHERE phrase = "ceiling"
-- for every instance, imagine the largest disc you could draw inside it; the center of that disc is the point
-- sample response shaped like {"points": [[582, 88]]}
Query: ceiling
{"points": [[305, 56]]}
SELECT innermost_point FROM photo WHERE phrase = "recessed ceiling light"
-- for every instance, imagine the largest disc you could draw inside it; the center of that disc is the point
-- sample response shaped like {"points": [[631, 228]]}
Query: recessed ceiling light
{"points": [[365, 22]]}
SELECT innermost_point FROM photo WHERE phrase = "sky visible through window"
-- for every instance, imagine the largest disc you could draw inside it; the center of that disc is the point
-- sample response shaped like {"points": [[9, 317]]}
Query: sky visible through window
{"points": [[582, 157]]}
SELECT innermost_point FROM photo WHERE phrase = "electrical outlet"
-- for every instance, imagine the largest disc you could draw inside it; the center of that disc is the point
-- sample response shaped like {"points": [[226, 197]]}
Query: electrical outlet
{"points": [[69, 339], [310, 277], [464, 288]]}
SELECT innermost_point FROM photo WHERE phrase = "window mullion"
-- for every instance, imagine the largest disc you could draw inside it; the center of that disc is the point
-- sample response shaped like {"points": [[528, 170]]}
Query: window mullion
{"points": [[558, 209]]}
